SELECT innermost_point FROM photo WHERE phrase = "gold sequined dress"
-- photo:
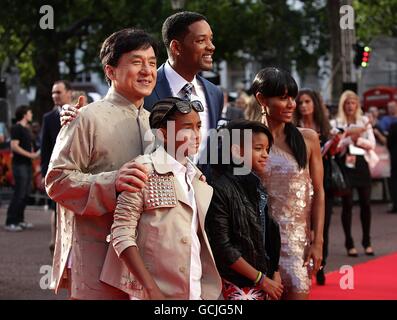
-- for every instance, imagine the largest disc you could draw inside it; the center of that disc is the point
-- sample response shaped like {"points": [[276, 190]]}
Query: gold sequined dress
{"points": [[290, 195]]}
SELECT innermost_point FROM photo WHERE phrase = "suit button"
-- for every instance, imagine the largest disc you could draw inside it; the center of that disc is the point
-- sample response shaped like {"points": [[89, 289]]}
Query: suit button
{"points": [[184, 240], [182, 269]]}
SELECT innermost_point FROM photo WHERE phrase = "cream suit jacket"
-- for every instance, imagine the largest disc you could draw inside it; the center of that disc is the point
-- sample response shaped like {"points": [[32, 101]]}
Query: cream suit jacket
{"points": [[81, 179], [158, 221]]}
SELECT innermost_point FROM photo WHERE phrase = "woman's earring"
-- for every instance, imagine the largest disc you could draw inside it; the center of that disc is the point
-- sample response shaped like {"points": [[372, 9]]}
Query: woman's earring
{"points": [[264, 116]]}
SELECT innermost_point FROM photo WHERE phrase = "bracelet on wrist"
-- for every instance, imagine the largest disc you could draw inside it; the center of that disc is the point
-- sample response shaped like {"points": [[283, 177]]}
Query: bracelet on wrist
{"points": [[258, 278], [261, 280]]}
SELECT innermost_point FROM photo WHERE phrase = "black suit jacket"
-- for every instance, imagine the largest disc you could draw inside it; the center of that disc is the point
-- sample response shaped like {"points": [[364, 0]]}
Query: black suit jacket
{"points": [[213, 95], [49, 132]]}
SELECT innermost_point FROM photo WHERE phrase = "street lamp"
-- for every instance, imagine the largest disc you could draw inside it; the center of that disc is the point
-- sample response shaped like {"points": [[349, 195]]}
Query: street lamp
{"points": [[177, 4]]}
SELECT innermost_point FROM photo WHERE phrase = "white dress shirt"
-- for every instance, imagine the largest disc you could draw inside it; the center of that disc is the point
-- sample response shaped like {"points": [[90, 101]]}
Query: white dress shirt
{"points": [[184, 176], [177, 82]]}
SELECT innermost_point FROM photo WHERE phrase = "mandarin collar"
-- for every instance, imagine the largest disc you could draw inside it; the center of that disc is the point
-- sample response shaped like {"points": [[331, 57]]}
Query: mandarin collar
{"points": [[118, 100]]}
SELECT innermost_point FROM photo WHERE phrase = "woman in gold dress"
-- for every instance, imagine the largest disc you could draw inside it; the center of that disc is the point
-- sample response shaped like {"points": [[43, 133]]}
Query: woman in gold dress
{"points": [[294, 181]]}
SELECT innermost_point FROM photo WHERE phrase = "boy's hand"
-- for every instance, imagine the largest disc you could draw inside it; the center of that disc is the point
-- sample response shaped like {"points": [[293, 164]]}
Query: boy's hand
{"points": [[277, 277], [272, 288]]}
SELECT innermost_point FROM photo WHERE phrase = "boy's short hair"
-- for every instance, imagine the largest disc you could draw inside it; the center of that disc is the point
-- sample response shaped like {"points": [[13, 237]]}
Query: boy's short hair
{"points": [[255, 126], [175, 26], [124, 41], [21, 111]]}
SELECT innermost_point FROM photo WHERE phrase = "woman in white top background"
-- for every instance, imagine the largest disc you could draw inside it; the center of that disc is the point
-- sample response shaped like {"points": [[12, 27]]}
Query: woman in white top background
{"points": [[358, 154]]}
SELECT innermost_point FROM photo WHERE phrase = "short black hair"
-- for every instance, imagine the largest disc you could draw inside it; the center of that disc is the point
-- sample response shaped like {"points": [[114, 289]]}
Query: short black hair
{"points": [[255, 126], [274, 82], [124, 41], [66, 83], [176, 25], [21, 111]]}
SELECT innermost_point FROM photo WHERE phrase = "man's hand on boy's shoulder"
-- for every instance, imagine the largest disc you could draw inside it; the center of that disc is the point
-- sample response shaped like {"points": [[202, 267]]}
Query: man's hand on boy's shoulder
{"points": [[69, 112], [131, 177]]}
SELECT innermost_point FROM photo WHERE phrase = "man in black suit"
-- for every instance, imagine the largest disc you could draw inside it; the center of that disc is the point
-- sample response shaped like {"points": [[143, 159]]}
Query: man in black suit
{"points": [[61, 95], [188, 39]]}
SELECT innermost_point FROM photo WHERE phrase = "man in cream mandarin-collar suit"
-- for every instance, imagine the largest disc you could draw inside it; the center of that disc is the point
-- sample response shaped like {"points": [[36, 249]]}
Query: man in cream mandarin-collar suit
{"points": [[89, 165]]}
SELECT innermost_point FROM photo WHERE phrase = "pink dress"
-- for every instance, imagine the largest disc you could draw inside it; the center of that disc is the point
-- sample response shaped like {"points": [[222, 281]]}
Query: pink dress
{"points": [[290, 196]]}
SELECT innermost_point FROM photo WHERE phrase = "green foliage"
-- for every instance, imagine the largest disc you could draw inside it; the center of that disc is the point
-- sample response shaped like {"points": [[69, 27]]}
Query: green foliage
{"points": [[374, 18], [271, 32]]}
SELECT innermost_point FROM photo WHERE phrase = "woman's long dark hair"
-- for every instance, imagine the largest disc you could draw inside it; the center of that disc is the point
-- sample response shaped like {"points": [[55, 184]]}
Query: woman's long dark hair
{"points": [[274, 82], [319, 117]]}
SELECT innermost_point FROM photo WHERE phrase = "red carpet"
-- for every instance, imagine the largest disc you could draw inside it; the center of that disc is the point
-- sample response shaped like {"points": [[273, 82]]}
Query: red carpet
{"points": [[373, 280]]}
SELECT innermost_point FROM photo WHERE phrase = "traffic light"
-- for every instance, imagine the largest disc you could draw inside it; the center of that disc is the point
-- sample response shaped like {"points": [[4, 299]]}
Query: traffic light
{"points": [[361, 58], [365, 57]]}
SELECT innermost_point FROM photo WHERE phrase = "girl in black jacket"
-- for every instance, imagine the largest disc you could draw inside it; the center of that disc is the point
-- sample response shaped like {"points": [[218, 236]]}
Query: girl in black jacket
{"points": [[245, 240]]}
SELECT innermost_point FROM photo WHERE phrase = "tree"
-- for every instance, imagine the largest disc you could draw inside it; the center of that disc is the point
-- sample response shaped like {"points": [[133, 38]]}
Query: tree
{"points": [[79, 25], [333, 7], [271, 32], [375, 18]]}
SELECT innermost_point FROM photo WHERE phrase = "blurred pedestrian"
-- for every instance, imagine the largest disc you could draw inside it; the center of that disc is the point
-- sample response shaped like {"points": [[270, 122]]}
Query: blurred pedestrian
{"points": [[23, 154], [373, 116], [242, 101], [310, 113], [230, 112], [76, 94], [51, 125], [390, 118], [254, 111], [358, 154]]}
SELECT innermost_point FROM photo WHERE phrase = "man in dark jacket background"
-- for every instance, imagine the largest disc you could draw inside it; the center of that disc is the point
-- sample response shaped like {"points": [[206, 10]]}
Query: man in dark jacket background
{"points": [[61, 95]]}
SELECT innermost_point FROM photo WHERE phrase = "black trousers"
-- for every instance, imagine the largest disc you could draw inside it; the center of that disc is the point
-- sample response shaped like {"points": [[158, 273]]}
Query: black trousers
{"points": [[364, 195]]}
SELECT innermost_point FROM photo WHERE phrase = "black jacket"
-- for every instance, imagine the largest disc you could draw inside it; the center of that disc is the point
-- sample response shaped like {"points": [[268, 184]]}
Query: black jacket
{"points": [[49, 132], [234, 228]]}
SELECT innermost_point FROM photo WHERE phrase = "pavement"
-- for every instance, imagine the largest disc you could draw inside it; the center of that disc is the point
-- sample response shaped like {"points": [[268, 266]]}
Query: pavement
{"points": [[25, 257]]}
